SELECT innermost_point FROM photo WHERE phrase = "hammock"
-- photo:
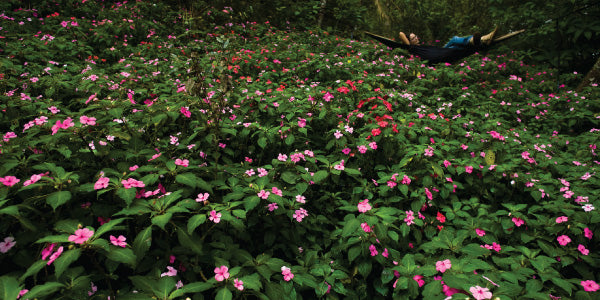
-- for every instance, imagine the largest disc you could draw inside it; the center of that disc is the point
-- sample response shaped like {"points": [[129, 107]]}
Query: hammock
{"points": [[435, 54]]}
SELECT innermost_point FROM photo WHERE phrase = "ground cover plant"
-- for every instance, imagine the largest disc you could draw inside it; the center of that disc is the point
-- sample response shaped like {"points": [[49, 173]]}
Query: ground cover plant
{"points": [[142, 160]]}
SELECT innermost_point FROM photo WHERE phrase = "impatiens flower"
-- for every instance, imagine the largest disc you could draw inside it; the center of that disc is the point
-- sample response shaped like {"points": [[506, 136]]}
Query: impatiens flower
{"points": [[364, 206], [102, 183], [277, 191], [22, 292], [33, 179], [81, 236], [365, 227], [179, 284], [518, 221], [214, 216], [590, 286], [287, 273], [272, 206], [469, 169], [9, 180], [301, 124], [8, 243], [93, 290], [588, 233], [443, 265], [221, 273], [182, 162], [263, 194], [85, 120], [202, 197], [479, 232], [419, 280], [130, 182], [47, 251], [410, 217], [440, 217], [54, 256], [583, 250], [238, 284], [299, 214], [406, 180], [373, 250], [170, 272], [428, 194], [563, 240], [300, 199], [185, 111], [120, 241], [588, 207], [562, 219], [480, 293], [9, 135]]}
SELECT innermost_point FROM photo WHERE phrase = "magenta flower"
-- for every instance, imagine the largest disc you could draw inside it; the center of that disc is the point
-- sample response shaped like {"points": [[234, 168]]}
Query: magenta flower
{"points": [[563, 240], [215, 216], [428, 194], [9, 180], [562, 219], [365, 227], [263, 194], [373, 250], [299, 214], [221, 273], [47, 251], [54, 256], [186, 112], [130, 182], [469, 169], [364, 206], [480, 293], [479, 232], [443, 265], [120, 241], [102, 183], [419, 280], [85, 120], [182, 162], [170, 272], [81, 236], [202, 197], [272, 206], [8, 243], [518, 221], [301, 124], [590, 286], [9, 135], [406, 180], [583, 250], [238, 284], [588, 233], [287, 273]]}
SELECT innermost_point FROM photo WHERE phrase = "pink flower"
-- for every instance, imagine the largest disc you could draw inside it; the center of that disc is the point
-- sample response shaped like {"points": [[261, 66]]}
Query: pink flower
{"points": [[120, 241], [221, 273], [563, 240], [365, 227], [588, 233], [287, 273], [428, 194], [583, 250], [301, 122], [8, 243], [419, 280], [54, 256], [22, 292], [81, 236], [480, 293], [186, 112], [202, 197], [299, 214], [130, 182], [479, 232], [562, 219], [373, 250], [34, 178], [405, 180], [85, 120], [263, 194], [469, 169], [277, 191], [170, 272], [448, 291], [102, 183], [238, 284], [182, 162], [47, 251], [9, 180], [214, 216], [272, 206], [518, 222], [364, 206], [590, 286], [443, 265], [9, 135]]}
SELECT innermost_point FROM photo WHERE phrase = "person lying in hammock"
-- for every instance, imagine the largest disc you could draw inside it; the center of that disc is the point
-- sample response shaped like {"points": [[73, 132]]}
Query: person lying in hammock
{"points": [[456, 42]]}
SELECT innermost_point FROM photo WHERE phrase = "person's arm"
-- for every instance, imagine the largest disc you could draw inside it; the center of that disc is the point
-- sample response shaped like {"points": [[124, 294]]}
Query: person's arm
{"points": [[403, 38]]}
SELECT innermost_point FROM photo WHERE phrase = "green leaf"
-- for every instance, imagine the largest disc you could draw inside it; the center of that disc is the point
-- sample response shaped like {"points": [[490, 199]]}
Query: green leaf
{"points": [[352, 171], [289, 177], [33, 269], [251, 202], [39, 291], [122, 255], [565, 285], [354, 252], [432, 290], [192, 242], [162, 220], [320, 176], [351, 227], [262, 142], [12, 210], [252, 282], [165, 285], [197, 287], [188, 179], [364, 268], [126, 194], [58, 198], [195, 221], [9, 288], [393, 235], [64, 260], [108, 226], [224, 294], [143, 283], [142, 243], [63, 238]]}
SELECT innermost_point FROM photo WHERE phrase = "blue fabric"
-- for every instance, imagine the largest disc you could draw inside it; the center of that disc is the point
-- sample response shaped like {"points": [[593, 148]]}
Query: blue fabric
{"points": [[458, 42]]}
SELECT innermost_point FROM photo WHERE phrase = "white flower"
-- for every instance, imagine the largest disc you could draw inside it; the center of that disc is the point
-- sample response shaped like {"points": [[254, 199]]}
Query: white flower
{"points": [[588, 207]]}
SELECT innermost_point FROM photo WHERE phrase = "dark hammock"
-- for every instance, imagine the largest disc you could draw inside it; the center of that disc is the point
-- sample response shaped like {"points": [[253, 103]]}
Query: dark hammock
{"points": [[435, 54]]}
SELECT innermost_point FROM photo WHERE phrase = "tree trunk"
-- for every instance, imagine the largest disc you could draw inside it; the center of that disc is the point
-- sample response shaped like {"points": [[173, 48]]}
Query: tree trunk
{"points": [[321, 13], [593, 76]]}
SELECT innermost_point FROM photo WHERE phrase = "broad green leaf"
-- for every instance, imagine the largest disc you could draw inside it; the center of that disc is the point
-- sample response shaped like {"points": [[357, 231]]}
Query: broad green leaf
{"points": [[565, 285], [188, 179], [106, 227], [12, 210], [354, 252], [143, 283], [33, 269], [364, 268], [122, 255], [224, 294], [64, 260], [192, 242], [252, 282], [262, 142], [195, 221], [164, 286], [58, 198], [162, 220], [63, 238], [320, 176], [289, 177], [142, 243], [198, 287], [39, 291], [351, 227], [432, 290], [9, 288], [126, 194], [251, 202]]}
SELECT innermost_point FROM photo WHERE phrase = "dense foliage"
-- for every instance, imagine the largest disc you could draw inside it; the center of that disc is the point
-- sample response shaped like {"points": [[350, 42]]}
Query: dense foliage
{"points": [[140, 159]]}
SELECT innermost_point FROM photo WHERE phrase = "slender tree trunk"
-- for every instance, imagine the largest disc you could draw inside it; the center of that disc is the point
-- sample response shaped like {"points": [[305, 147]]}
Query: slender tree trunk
{"points": [[321, 13], [593, 76]]}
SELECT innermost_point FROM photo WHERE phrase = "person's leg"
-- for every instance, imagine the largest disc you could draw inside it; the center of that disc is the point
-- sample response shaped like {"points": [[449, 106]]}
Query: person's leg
{"points": [[489, 38], [458, 42]]}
